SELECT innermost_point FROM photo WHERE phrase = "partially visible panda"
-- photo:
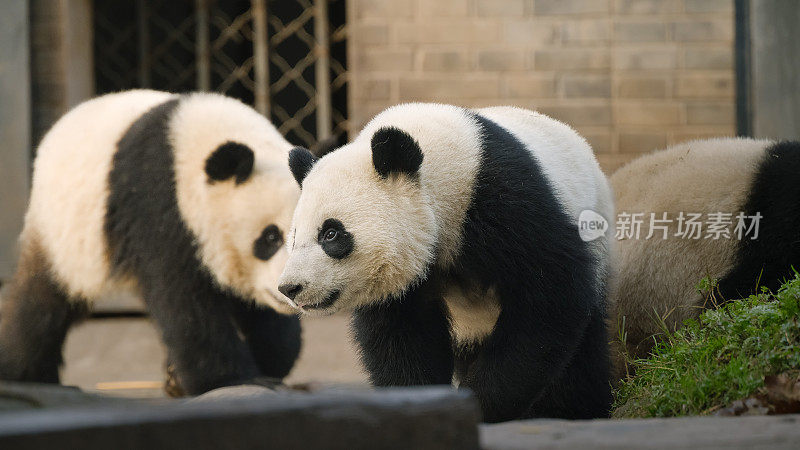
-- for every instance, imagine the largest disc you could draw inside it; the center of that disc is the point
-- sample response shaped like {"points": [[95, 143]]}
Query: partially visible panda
{"points": [[659, 275], [181, 199], [453, 234]]}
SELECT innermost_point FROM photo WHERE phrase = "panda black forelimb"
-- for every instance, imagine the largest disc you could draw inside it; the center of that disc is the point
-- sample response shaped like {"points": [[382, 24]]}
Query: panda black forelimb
{"points": [[405, 341], [274, 339], [528, 348], [201, 339]]}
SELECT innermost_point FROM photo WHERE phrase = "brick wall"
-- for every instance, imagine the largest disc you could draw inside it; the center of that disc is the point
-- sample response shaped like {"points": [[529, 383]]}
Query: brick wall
{"points": [[630, 75]]}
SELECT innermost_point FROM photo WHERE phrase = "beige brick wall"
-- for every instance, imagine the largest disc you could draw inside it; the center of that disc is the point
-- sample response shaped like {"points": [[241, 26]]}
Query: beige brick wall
{"points": [[630, 75]]}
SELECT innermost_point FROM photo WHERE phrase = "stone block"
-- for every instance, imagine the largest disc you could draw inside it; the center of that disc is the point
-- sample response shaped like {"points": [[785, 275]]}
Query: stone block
{"points": [[587, 31], [501, 8], [642, 142], [648, 114], [444, 61], [389, 9], [640, 32], [419, 418], [706, 113], [586, 86], [551, 7], [702, 30], [386, 60], [641, 87], [684, 433], [645, 58], [571, 59], [500, 60], [708, 58], [529, 86], [705, 86], [448, 89], [647, 6], [708, 6]]}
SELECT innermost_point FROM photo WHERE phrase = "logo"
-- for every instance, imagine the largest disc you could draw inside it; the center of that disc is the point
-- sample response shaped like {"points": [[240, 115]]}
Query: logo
{"points": [[591, 225]]}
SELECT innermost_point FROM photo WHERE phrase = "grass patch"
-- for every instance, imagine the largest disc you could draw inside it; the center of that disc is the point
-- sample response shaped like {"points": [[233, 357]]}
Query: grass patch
{"points": [[723, 357]]}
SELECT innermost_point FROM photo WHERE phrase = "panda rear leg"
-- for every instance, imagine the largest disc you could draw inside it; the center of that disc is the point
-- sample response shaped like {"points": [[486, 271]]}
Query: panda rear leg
{"points": [[583, 390], [34, 319], [273, 338]]}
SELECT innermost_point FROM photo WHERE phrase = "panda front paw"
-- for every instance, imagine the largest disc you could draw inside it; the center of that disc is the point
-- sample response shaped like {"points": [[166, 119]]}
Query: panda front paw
{"points": [[172, 385], [174, 388]]}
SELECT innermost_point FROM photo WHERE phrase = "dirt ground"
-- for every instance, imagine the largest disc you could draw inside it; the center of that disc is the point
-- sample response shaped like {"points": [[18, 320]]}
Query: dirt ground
{"points": [[124, 356]]}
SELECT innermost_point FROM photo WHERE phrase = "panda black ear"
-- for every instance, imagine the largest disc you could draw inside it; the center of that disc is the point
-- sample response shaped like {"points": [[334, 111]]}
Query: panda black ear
{"points": [[395, 151], [228, 160], [300, 163]]}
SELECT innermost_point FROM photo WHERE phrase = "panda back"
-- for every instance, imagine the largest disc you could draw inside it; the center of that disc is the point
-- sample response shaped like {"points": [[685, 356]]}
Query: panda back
{"points": [[563, 155], [70, 187]]}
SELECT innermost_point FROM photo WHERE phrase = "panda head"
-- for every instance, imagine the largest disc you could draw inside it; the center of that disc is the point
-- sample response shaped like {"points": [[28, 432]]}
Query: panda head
{"points": [[251, 206], [235, 194], [363, 229]]}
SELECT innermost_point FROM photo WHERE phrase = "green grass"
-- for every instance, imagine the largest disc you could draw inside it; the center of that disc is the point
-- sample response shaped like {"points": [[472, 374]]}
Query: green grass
{"points": [[723, 357]]}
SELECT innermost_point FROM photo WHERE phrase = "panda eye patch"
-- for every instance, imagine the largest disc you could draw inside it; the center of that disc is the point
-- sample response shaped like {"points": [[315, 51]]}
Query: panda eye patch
{"points": [[273, 236], [334, 239], [268, 243]]}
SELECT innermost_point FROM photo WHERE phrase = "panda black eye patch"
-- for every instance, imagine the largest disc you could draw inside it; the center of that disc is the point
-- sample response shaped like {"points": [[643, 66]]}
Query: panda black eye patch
{"points": [[268, 243], [336, 242]]}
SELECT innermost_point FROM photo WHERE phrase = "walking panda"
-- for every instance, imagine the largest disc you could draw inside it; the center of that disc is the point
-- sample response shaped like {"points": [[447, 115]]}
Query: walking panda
{"points": [[658, 276], [453, 234], [181, 199]]}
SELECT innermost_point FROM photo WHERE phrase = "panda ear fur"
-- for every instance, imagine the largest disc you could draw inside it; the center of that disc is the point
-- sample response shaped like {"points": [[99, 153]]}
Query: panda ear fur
{"points": [[228, 160], [395, 151], [300, 163]]}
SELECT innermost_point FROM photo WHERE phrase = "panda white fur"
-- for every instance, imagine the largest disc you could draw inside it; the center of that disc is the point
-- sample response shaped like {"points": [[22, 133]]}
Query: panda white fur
{"points": [[453, 234], [182, 199], [659, 276]]}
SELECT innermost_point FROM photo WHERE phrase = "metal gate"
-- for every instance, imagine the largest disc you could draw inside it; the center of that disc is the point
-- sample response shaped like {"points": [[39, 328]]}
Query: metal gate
{"points": [[287, 58]]}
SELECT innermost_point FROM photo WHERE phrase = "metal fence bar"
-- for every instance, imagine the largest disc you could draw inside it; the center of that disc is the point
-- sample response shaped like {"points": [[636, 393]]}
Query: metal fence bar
{"points": [[202, 46], [144, 44], [260, 56], [285, 58], [322, 69]]}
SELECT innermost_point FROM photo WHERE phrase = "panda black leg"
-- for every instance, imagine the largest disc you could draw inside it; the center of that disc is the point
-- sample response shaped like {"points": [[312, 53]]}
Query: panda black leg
{"points": [[273, 338], [405, 341], [204, 348], [529, 349], [34, 320], [583, 390]]}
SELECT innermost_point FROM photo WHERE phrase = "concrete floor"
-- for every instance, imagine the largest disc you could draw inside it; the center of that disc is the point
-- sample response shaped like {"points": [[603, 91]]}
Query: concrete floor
{"points": [[124, 356]]}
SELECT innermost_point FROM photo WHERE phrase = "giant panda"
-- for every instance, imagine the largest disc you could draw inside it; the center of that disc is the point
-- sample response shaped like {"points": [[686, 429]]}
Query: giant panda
{"points": [[453, 235], [659, 276], [181, 199]]}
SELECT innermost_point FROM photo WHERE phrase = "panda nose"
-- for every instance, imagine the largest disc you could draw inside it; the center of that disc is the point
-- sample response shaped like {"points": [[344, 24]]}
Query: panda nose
{"points": [[290, 290]]}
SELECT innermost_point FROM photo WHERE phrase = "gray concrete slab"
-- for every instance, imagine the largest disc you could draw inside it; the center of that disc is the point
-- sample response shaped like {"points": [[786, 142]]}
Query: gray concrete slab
{"points": [[754, 432], [16, 397], [418, 418]]}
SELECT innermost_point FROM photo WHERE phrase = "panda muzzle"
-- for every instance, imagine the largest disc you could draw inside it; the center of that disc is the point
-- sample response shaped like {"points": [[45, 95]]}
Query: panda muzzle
{"points": [[329, 300]]}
